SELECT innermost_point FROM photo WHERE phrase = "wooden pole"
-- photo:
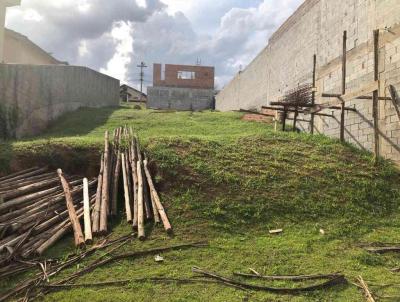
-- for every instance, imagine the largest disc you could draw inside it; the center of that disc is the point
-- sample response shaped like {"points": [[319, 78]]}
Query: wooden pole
{"points": [[116, 172], [296, 114], [375, 109], [344, 72], [151, 188], [135, 183], [16, 174], [27, 199], [78, 235], [22, 191], [313, 91], [395, 99], [105, 188], [284, 119], [157, 201], [141, 233], [86, 211], [97, 205], [126, 189], [366, 290], [59, 231], [23, 174]]}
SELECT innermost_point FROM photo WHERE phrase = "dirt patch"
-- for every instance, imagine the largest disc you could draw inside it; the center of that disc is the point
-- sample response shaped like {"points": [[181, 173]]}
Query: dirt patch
{"points": [[85, 161], [257, 118]]}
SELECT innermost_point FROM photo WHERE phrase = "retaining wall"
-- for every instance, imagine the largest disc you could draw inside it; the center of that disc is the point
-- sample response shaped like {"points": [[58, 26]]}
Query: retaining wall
{"points": [[317, 28]]}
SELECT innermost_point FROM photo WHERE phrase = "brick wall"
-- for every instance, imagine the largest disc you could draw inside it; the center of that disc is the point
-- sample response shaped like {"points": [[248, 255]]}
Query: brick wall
{"points": [[204, 76], [317, 28]]}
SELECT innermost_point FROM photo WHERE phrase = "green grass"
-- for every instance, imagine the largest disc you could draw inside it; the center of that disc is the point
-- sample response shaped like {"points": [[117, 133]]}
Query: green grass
{"points": [[230, 182]]}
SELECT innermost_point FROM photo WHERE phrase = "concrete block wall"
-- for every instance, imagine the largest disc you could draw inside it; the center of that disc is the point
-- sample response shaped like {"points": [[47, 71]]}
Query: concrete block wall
{"points": [[42, 93], [317, 28], [179, 98]]}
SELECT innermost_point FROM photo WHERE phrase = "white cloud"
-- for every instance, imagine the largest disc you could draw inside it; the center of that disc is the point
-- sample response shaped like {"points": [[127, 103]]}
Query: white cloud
{"points": [[175, 6], [83, 48], [84, 6], [141, 3], [114, 36], [117, 67], [32, 15]]}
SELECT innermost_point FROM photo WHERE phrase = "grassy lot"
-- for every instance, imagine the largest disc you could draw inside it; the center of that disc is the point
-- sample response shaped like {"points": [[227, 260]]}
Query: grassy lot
{"points": [[230, 182]]}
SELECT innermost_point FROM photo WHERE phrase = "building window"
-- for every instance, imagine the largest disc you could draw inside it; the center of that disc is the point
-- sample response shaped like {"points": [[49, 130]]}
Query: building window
{"points": [[186, 75]]}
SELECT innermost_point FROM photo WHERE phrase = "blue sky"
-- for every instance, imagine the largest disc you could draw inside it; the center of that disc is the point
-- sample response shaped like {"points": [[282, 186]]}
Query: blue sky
{"points": [[114, 36]]}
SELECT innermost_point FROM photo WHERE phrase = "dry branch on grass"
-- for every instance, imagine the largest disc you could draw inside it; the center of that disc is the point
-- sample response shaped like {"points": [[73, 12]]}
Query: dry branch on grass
{"points": [[32, 286], [290, 277], [337, 279]]}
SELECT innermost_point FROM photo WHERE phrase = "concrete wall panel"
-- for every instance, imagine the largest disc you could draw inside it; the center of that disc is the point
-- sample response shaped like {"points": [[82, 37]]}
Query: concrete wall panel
{"points": [[179, 98], [44, 92]]}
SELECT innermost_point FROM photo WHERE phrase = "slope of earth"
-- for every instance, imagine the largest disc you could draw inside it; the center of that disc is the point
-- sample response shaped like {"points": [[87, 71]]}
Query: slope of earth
{"points": [[230, 181]]}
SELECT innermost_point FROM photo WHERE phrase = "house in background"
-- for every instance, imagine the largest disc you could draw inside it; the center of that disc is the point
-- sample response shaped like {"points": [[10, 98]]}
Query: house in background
{"points": [[18, 49], [181, 87], [3, 8], [129, 94]]}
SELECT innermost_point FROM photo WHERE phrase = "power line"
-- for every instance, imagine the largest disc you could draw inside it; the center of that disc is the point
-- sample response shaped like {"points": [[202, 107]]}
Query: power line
{"points": [[142, 66]]}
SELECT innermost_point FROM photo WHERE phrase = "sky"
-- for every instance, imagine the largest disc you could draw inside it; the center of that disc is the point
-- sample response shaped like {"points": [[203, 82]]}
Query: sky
{"points": [[114, 36]]}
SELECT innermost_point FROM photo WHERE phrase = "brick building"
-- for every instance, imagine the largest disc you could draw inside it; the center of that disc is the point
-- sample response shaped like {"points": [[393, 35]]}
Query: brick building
{"points": [[181, 87]]}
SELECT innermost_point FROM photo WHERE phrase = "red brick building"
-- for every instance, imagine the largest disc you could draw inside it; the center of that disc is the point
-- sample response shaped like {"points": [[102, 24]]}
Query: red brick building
{"points": [[182, 87], [183, 76]]}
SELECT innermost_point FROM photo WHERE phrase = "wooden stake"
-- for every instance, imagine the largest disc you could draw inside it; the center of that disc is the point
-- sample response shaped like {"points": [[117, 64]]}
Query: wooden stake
{"points": [[105, 188], [313, 92], [117, 171], [284, 120], [97, 205], [160, 207], [135, 183], [86, 209], [79, 240], [375, 96], [296, 114], [126, 189], [344, 72], [141, 233]]}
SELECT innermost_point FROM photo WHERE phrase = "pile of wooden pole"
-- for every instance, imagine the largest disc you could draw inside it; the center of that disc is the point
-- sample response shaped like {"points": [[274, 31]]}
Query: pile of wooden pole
{"points": [[37, 208], [123, 158]]}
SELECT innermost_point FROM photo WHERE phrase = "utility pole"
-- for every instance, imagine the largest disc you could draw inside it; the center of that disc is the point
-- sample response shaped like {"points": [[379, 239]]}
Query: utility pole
{"points": [[142, 66]]}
